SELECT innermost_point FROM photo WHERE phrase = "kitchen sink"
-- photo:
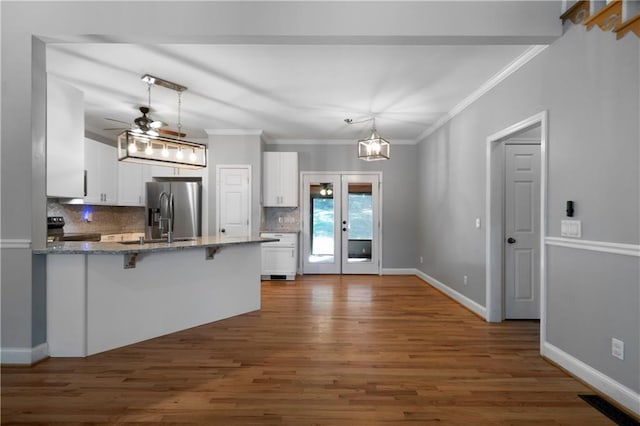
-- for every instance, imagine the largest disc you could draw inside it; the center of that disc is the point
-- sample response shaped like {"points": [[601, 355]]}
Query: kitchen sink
{"points": [[158, 240]]}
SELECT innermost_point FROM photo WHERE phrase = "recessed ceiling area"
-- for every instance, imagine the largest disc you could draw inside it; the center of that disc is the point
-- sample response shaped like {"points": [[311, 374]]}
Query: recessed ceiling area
{"points": [[291, 92]]}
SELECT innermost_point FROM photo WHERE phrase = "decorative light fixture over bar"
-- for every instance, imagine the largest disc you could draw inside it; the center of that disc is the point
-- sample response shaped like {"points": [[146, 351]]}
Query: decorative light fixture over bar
{"points": [[374, 148], [152, 148], [159, 150]]}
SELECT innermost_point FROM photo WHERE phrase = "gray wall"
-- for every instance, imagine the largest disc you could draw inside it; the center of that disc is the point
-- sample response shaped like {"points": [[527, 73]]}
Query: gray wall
{"points": [[589, 83], [399, 191], [236, 150]]}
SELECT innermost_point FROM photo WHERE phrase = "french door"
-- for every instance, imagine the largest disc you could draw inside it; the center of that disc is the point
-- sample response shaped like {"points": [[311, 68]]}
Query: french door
{"points": [[341, 223]]}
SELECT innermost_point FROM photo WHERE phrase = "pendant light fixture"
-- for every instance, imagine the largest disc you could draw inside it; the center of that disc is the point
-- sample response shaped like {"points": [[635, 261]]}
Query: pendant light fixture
{"points": [[375, 147], [146, 145]]}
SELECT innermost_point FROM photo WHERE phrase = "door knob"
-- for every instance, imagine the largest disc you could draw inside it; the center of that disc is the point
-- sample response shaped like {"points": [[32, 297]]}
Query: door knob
{"points": [[344, 229], [344, 222], [222, 230], [511, 240]]}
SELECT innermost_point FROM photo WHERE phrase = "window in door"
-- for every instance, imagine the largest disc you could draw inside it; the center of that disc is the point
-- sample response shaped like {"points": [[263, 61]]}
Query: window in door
{"points": [[322, 223], [360, 230]]}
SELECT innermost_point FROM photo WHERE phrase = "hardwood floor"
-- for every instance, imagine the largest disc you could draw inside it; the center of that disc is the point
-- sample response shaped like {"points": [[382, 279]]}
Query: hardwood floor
{"points": [[343, 350]]}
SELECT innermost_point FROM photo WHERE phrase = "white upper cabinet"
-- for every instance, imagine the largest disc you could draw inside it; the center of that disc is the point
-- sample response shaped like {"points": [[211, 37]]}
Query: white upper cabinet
{"points": [[65, 140], [131, 191], [280, 179], [101, 165]]}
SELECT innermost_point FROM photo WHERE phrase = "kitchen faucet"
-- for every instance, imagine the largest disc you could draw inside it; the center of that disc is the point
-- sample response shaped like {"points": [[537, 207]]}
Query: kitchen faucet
{"points": [[169, 214]]}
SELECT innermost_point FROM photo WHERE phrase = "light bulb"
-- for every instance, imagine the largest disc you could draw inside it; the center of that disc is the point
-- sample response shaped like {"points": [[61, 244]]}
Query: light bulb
{"points": [[193, 156], [329, 191], [165, 151], [323, 192], [179, 155], [149, 149], [133, 148], [376, 147]]}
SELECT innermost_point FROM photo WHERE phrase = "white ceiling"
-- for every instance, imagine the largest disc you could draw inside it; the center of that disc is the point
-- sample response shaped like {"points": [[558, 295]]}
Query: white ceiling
{"points": [[291, 92]]}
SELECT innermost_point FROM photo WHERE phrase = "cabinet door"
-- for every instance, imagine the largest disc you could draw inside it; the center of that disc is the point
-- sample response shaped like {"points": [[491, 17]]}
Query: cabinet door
{"points": [[271, 179], [288, 179], [278, 261], [130, 184], [101, 167], [65, 140], [92, 161], [109, 174], [162, 171]]}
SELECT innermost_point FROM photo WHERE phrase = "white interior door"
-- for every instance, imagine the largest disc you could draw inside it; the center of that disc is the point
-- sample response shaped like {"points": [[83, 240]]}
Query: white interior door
{"points": [[360, 224], [341, 223], [522, 233], [233, 201], [321, 224]]}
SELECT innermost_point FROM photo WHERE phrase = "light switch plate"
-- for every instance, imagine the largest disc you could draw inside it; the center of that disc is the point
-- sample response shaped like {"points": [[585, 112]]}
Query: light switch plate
{"points": [[617, 348], [571, 228]]}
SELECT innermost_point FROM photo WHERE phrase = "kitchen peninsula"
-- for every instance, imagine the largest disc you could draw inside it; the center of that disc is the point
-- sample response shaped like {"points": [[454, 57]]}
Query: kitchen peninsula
{"points": [[101, 296]]}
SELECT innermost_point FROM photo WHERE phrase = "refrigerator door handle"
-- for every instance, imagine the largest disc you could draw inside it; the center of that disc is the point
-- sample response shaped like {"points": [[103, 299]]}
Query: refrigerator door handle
{"points": [[173, 210]]}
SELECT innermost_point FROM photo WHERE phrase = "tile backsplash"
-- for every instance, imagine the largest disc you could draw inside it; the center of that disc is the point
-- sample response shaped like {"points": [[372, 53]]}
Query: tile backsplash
{"points": [[104, 219], [281, 219]]}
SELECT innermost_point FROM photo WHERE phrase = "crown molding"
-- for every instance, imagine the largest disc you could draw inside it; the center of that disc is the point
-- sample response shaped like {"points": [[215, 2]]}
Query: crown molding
{"points": [[233, 132], [514, 66], [331, 142]]}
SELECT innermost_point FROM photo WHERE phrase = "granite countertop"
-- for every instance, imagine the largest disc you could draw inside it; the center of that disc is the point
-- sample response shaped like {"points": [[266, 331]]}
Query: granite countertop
{"points": [[77, 247]]}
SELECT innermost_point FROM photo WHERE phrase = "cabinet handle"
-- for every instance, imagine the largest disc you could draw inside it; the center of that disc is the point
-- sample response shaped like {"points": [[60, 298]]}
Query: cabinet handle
{"points": [[292, 253]]}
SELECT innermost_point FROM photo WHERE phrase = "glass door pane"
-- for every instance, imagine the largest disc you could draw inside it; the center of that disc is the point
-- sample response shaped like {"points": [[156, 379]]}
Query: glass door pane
{"points": [[322, 217], [360, 219], [321, 230], [360, 230]]}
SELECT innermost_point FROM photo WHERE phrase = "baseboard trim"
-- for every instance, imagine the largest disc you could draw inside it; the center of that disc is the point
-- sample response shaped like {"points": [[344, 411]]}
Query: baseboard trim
{"points": [[617, 391], [473, 306], [24, 356], [399, 271]]}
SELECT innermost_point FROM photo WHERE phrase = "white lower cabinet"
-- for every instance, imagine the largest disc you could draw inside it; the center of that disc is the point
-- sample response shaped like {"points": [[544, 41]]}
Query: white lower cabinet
{"points": [[280, 259]]}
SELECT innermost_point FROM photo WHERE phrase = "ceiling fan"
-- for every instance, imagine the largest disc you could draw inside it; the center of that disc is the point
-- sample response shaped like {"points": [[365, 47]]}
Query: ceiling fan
{"points": [[144, 123]]}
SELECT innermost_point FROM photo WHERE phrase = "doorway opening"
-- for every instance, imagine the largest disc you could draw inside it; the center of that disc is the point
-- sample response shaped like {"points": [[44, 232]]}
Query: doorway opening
{"points": [[341, 223], [496, 231]]}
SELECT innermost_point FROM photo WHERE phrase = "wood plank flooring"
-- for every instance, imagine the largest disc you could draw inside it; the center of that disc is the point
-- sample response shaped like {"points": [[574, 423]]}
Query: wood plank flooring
{"points": [[324, 350]]}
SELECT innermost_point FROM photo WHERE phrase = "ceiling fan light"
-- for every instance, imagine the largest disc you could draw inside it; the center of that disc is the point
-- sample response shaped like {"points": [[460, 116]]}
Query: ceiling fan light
{"points": [[156, 124], [152, 133]]}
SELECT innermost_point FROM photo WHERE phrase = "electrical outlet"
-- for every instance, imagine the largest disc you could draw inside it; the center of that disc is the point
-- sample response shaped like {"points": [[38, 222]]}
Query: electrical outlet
{"points": [[617, 348], [421, 260], [466, 280]]}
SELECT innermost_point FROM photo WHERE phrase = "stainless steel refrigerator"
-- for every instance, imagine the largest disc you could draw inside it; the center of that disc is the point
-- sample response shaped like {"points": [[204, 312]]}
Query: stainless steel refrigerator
{"points": [[177, 201]]}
